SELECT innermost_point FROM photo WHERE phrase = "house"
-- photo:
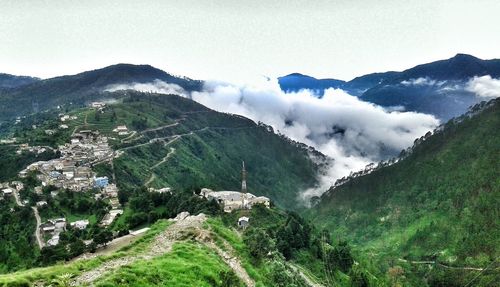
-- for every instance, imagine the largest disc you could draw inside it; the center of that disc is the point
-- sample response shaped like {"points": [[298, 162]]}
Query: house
{"points": [[243, 222], [161, 190], [54, 174], [121, 129], [101, 181], [53, 241], [80, 224], [234, 200], [41, 203], [50, 132], [7, 191], [63, 127], [98, 105]]}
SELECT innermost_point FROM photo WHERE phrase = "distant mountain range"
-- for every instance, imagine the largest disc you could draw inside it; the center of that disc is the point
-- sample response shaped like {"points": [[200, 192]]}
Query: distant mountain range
{"points": [[438, 88]]}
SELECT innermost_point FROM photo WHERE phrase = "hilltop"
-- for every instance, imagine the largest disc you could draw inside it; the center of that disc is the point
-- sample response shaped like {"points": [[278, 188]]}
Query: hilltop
{"points": [[83, 88]]}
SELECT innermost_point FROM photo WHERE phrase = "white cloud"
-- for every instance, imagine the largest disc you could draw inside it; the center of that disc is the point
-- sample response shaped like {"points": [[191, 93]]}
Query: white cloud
{"points": [[156, 86], [352, 132], [484, 86], [422, 81]]}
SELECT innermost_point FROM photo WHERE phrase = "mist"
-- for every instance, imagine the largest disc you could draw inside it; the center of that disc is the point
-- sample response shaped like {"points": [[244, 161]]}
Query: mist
{"points": [[352, 133]]}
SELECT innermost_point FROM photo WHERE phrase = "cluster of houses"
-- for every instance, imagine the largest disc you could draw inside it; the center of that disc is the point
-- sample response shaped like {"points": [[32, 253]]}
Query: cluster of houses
{"points": [[33, 149], [72, 170], [52, 228], [65, 118]]}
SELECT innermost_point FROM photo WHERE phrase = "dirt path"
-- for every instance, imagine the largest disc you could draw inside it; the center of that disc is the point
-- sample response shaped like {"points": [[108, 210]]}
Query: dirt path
{"points": [[442, 265], [125, 140], [16, 197], [230, 259], [150, 180], [37, 230], [170, 153], [185, 227], [161, 244], [159, 128]]}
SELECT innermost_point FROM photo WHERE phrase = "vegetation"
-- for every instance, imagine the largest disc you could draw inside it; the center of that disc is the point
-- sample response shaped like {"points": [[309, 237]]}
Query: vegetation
{"points": [[17, 225], [439, 204]]}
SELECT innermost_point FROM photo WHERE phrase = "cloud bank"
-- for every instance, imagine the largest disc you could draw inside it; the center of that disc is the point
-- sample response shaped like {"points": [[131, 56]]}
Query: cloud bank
{"points": [[156, 86], [351, 132], [484, 86]]}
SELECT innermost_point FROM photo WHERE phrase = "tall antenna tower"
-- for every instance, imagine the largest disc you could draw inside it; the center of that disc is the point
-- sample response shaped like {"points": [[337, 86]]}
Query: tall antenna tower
{"points": [[243, 179]]}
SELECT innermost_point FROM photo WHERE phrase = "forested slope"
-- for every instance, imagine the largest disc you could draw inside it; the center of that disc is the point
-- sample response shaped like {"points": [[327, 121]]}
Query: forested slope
{"points": [[441, 203]]}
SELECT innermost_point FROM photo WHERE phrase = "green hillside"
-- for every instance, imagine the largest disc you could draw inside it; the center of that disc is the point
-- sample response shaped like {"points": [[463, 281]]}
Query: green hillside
{"points": [[277, 249], [181, 144], [433, 217]]}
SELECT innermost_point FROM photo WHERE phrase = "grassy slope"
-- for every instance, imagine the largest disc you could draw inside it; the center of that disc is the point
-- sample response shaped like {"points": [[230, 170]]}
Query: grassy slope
{"points": [[211, 156], [441, 202], [189, 263]]}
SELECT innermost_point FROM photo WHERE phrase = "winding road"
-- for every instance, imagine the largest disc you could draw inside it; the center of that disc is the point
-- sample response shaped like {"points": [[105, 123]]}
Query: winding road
{"points": [[37, 230]]}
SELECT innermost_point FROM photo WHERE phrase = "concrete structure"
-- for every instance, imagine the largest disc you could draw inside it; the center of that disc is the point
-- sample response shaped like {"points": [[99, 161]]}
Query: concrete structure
{"points": [[80, 224], [7, 191], [41, 203], [243, 222], [233, 200], [101, 181]]}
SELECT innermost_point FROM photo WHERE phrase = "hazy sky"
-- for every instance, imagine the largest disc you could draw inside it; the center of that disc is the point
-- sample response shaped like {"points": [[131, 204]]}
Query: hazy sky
{"points": [[233, 40]]}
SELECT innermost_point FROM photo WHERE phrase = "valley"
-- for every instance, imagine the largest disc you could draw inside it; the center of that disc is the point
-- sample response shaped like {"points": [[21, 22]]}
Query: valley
{"points": [[129, 188]]}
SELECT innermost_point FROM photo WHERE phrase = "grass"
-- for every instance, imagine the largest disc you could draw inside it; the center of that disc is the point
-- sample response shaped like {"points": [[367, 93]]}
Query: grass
{"points": [[46, 274], [188, 264]]}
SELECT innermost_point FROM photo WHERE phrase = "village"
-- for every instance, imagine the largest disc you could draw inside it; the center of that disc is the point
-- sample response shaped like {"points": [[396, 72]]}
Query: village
{"points": [[73, 171]]}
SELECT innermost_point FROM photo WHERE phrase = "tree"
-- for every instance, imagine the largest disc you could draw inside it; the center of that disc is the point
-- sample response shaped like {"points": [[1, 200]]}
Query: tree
{"points": [[258, 242], [340, 257], [103, 237]]}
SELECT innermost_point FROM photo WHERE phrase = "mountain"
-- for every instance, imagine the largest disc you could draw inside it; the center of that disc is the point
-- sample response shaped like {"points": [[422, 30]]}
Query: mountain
{"points": [[10, 81], [359, 85], [296, 82], [172, 142], [436, 206], [438, 88], [82, 88]]}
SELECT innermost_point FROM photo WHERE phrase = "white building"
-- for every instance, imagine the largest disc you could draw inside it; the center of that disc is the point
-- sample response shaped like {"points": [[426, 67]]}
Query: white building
{"points": [[80, 224]]}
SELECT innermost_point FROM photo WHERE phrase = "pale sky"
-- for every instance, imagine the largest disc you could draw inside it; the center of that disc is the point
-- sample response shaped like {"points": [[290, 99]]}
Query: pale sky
{"points": [[235, 39]]}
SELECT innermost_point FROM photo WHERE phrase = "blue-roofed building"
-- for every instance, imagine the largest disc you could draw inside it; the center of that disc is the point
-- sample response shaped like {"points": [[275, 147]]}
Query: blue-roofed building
{"points": [[54, 174], [101, 181]]}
